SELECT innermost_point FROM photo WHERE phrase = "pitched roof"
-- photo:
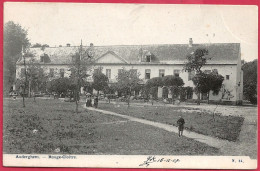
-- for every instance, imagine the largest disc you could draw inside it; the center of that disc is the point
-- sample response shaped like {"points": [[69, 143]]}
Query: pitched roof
{"points": [[220, 53]]}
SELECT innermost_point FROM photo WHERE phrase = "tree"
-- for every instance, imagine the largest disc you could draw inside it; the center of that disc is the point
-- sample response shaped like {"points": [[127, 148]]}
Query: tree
{"points": [[36, 79], [174, 83], [59, 85], [206, 82], [154, 82], [171, 80], [81, 64], [250, 81], [195, 61], [15, 37], [100, 81], [109, 90], [37, 45], [127, 81]]}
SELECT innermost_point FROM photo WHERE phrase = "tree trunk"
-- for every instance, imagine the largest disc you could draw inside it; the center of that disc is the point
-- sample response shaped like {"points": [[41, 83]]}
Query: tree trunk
{"points": [[76, 100], [34, 99], [208, 97], [198, 100], [23, 96], [128, 101], [29, 89]]}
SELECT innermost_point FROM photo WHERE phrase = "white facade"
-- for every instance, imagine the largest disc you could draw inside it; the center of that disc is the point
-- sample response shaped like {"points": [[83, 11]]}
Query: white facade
{"points": [[110, 63]]}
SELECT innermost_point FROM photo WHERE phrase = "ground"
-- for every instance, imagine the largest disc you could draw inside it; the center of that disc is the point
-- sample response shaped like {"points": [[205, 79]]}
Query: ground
{"points": [[57, 129], [51, 126], [225, 127]]}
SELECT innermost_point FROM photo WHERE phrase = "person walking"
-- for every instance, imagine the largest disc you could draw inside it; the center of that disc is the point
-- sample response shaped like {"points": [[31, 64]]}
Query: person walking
{"points": [[180, 124]]}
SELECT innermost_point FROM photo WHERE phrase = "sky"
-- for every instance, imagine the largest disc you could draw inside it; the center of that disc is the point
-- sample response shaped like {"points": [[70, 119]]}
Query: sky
{"points": [[136, 24]]}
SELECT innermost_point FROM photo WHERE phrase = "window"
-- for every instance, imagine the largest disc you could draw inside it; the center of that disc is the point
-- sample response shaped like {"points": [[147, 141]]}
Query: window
{"points": [[147, 74], [161, 72], [148, 58], [108, 73], [51, 72], [22, 72], [61, 72], [176, 73], [191, 74], [227, 77]]}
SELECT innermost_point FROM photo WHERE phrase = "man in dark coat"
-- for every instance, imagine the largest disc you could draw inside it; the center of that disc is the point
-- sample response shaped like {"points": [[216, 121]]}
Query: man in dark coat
{"points": [[180, 124]]}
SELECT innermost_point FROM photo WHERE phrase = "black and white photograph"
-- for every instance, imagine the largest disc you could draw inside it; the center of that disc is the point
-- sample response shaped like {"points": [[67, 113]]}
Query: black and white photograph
{"points": [[130, 85]]}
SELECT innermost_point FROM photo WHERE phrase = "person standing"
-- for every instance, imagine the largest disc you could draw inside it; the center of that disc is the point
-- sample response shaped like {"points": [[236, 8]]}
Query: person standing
{"points": [[180, 124]]}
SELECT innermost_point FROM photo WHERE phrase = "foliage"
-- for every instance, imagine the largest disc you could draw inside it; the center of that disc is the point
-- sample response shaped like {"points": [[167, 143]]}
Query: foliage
{"points": [[165, 92], [206, 82], [175, 91], [250, 81], [196, 60], [100, 81], [154, 82], [37, 45], [185, 91], [127, 81], [110, 89], [60, 85], [154, 92], [15, 37], [36, 79], [171, 80], [80, 66], [88, 88]]}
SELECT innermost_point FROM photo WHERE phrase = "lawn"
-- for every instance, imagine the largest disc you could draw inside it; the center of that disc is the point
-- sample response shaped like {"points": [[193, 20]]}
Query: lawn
{"points": [[224, 127], [51, 127]]}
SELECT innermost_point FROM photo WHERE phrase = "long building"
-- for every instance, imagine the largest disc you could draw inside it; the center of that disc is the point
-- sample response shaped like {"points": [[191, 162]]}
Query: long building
{"points": [[150, 61]]}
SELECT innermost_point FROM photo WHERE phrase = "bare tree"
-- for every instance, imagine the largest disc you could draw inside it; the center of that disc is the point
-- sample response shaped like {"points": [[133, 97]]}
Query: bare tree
{"points": [[81, 64]]}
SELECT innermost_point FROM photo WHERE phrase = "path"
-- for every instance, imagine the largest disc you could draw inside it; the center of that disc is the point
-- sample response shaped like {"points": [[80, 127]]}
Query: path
{"points": [[211, 141]]}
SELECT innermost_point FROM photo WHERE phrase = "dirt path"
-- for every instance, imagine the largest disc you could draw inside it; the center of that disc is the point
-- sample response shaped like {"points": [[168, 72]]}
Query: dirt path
{"points": [[245, 146], [214, 142]]}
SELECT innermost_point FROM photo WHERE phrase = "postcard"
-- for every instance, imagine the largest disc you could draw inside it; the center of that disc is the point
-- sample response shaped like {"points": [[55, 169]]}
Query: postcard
{"points": [[130, 85]]}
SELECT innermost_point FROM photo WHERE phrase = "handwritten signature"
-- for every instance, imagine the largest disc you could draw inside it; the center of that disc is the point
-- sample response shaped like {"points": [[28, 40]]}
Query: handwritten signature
{"points": [[153, 159]]}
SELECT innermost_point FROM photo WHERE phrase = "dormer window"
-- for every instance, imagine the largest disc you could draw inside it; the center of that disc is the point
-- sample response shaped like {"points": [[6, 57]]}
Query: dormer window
{"points": [[148, 56], [45, 58]]}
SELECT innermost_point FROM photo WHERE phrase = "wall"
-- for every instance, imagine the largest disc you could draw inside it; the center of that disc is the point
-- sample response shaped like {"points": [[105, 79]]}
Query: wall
{"points": [[228, 92]]}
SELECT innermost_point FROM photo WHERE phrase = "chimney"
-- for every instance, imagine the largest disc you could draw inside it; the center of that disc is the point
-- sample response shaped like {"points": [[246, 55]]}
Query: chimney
{"points": [[190, 42], [68, 45]]}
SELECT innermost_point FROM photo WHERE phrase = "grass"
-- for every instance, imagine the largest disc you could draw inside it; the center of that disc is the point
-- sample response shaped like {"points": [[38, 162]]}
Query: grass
{"points": [[58, 127], [224, 127]]}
